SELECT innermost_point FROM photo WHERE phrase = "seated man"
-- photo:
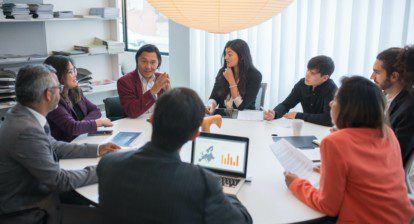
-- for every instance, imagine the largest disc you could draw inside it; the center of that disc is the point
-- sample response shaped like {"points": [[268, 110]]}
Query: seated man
{"points": [[314, 93], [393, 72], [139, 89], [153, 185], [30, 177]]}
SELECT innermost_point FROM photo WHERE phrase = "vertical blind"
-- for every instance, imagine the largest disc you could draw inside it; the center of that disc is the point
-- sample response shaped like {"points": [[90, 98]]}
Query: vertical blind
{"points": [[352, 32]]}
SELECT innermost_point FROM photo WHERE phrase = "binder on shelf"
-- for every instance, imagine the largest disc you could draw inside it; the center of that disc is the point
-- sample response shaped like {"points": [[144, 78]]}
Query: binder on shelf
{"points": [[106, 12], [63, 14]]}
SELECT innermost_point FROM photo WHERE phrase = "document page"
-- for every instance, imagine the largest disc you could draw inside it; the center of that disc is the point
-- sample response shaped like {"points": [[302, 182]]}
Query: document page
{"points": [[250, 115], [292, 160]]}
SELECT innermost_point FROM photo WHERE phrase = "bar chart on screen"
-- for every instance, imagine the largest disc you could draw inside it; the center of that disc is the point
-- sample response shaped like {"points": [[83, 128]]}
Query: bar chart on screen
{"points": [[228, 160]]}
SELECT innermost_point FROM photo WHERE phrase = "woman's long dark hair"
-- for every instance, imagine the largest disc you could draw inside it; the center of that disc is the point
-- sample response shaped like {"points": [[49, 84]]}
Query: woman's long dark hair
{"points": [[245, 64], [60, 63], [361, 104]]}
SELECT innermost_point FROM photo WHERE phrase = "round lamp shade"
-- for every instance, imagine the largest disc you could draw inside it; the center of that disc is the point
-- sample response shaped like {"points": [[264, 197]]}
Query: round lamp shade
{"points": [[219, 16]]}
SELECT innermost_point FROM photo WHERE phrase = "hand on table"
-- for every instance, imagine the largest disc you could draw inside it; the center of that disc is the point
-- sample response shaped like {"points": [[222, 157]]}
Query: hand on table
{"points": [[103, 122], [291, 115], [269, 115], [107, 148]]}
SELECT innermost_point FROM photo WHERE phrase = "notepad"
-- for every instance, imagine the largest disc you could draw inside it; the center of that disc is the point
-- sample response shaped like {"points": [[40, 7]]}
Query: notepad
{"points": [[124, 139], [301, 142], [250, 115], [292, 160]]}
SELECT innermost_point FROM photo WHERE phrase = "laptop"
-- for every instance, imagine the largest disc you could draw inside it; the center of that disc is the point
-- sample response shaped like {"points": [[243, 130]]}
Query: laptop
{"points": [[224, 155]]}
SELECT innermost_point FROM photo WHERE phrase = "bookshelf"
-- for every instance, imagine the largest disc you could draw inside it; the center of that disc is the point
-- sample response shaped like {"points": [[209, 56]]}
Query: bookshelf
{"points": [[42, 36]]}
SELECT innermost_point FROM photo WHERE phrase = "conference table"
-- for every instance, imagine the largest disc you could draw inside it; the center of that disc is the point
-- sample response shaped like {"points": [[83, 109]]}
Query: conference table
{"points": [[266, 197]]}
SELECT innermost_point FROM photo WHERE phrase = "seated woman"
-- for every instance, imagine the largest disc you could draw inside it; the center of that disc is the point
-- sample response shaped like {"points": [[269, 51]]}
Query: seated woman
{"points": [[237, 82], [75, 115], [362, 177]]}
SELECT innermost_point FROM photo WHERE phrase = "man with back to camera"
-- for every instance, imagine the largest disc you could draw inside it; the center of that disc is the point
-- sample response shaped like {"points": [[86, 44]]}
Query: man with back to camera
{"points": [[30, 176], [314, 93], [153, 185], [139, 89], [393, 72]]}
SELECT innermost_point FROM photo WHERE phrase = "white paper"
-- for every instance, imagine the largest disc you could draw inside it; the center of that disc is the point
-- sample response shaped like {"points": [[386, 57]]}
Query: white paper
{"points": [[292, 160], [312, 154], [250, 115]]}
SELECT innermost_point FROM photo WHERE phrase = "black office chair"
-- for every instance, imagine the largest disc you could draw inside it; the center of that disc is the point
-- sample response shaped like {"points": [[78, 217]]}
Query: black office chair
{"points": [[260, 98], [113, 108]]}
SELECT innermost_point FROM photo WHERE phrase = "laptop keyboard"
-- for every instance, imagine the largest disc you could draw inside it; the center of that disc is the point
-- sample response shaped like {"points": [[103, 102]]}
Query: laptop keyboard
{"points": [[229, 181]]}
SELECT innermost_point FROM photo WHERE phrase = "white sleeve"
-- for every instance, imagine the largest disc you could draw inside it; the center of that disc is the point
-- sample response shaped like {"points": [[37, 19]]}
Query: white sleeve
{"points": [[238, 101]]}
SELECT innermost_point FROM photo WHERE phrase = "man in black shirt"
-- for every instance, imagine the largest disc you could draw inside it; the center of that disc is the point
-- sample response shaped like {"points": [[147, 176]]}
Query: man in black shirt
{"points": [[314, 93]]}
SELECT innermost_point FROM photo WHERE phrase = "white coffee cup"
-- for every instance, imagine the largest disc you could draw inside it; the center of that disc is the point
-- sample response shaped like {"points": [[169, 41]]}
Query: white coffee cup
{"points": [[297, 125]]}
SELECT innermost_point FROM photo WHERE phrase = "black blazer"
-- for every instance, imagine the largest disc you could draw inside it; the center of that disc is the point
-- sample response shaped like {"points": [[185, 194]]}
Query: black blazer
{"points": [[253, 83], [401, 114], [153, 186]]}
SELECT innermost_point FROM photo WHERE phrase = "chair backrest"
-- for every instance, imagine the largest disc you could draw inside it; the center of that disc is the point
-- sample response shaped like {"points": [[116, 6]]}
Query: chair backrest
{"points": [[260, 98], [113, 108], [409, 173]]}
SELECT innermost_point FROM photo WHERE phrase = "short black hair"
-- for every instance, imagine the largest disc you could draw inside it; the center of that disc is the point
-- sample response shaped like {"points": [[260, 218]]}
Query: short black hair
{"points": [[361, 104], [323, 64], [177, 116], [389, 59], [149, 48]]}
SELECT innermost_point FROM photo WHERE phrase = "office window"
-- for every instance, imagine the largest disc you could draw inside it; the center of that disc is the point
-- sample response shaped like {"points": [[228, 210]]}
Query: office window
{"points": [[144, 25]]}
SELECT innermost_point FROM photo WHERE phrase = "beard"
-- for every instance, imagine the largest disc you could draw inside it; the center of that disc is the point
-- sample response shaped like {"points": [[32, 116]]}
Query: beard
{"points": [[385, 85]]}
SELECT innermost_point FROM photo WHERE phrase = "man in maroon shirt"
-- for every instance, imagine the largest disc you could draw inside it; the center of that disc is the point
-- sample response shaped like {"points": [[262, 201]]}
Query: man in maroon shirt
{"points": [[139, 89]]}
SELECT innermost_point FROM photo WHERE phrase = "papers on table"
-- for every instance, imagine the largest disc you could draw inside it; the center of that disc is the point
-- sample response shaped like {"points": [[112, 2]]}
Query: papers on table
{"points": [[292, 160], [250, 115]]}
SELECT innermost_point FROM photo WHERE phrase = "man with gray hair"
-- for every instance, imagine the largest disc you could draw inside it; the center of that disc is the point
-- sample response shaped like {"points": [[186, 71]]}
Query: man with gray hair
{"points": [[30, 176]]}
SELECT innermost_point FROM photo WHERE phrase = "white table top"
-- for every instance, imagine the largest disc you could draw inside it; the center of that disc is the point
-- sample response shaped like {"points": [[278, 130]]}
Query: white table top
{"points": [[266, 198]]}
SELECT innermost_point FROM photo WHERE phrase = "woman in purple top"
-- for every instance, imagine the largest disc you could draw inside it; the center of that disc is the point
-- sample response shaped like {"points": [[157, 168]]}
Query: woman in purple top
{"points": [[75, 115]]}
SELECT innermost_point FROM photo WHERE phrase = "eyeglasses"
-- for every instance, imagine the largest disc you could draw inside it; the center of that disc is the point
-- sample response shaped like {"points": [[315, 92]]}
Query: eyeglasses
{"points": [[73, 71], [60, 87]]}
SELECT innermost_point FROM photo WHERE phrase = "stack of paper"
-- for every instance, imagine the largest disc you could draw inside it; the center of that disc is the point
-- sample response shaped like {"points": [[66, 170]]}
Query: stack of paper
{"points": [[41, 11], [16, 11], [114, 47], [84, 79], [63, 14], [250, 115], [7, 91], [292, 160], [107, 12], [92, 48]]}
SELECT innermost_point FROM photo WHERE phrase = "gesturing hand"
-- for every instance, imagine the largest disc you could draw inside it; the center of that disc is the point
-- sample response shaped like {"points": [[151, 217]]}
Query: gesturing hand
{"points": [[160, 83], [228, 74]]}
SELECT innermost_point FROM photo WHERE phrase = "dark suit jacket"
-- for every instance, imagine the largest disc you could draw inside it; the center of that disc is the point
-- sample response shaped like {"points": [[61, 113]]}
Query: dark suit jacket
{"points": [[401, 114], [29, 168], [152, 186], [66, 126], [133, 100], [253, 82]]}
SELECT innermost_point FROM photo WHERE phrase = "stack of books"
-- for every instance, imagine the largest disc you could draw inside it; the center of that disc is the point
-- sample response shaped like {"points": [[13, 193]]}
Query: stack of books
{"points": [[113, 47], [41, 11], [107, 12], [92, 48], [63, 14], [16, 11], [7, 91], [84, 79]]}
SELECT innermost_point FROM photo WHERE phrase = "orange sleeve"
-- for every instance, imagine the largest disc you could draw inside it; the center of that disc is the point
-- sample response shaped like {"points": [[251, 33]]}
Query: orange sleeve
{"points": [[328, 198]]}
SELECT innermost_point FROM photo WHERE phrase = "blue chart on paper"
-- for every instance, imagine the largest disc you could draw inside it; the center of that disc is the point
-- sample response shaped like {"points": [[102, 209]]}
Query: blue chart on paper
{"points": [[125, 139]]}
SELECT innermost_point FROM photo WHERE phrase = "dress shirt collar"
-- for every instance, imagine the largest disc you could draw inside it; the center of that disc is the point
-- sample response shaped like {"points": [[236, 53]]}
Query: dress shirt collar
{"points": [[40, 118], [143, 80]]}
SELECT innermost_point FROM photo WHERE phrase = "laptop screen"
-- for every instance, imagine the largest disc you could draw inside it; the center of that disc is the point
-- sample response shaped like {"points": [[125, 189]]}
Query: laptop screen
{"points": [[221, 153]]}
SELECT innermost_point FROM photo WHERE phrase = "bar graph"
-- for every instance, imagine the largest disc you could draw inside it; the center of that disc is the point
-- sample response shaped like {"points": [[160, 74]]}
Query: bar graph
{"points": [[229, 160]]}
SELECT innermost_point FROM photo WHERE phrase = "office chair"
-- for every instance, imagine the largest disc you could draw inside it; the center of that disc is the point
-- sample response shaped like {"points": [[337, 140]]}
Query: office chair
{"points": [[260, 98], [113, 108]]}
